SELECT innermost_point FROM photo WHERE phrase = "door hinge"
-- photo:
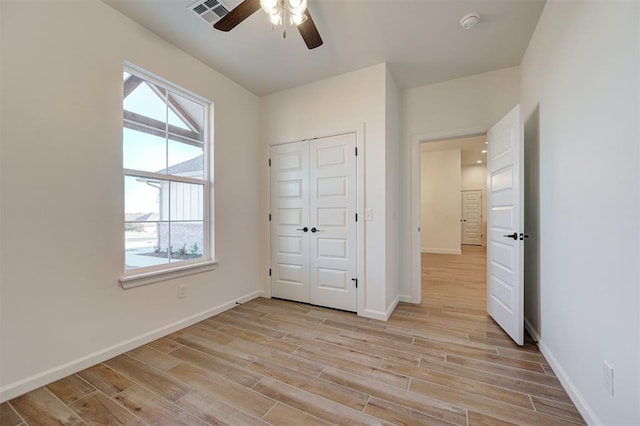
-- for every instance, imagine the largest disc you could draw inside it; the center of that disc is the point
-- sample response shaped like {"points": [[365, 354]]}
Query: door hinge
{"points": [[269, 162], [356, 151], [356, 217], [355, 280], [269, 217], [269, 271]]}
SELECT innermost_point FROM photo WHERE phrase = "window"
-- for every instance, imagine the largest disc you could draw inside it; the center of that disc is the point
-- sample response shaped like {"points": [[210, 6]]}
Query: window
{"points": [[166, 181]]}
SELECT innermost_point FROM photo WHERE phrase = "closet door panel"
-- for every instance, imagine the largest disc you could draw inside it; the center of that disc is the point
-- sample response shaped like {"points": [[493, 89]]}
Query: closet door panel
{"points": [[289, 216], [332, 208]]}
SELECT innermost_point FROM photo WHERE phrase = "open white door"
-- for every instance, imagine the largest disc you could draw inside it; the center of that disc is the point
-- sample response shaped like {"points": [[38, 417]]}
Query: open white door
{"points": [[505, 245]]}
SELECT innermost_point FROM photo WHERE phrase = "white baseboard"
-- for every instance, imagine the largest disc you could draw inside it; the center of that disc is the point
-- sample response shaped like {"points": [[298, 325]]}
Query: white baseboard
{"points": [[380, 315], [576, 397], [20, 387], [440, 250], [407, 298], [532, 331]]}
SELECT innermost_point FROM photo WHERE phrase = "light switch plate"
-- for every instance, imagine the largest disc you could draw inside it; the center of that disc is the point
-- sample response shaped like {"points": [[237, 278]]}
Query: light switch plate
{"points": [[368, 214]]}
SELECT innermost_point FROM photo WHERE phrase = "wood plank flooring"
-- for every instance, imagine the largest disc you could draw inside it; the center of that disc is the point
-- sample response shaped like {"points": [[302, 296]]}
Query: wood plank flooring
{"points": [[284, 363]]}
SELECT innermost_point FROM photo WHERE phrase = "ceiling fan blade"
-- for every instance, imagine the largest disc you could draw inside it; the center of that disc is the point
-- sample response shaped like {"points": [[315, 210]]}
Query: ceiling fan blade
{"points": [[237, 15], [309, 32]]}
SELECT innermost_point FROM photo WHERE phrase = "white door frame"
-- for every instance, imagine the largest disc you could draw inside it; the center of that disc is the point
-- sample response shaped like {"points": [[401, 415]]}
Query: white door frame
{"points": [[360, 197], [415, 251]]}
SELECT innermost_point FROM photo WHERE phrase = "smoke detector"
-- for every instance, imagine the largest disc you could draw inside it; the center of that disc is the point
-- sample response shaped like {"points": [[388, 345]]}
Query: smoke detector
{"points": [[469, 20]]}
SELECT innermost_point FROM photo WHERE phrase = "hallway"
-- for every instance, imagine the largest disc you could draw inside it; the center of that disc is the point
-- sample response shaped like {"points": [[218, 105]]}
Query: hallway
{"points": [[481, 362]]}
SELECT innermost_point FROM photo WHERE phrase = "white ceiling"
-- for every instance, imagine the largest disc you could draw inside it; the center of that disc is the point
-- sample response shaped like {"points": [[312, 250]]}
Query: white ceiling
{"points": [[471, 148], [421, 40]]}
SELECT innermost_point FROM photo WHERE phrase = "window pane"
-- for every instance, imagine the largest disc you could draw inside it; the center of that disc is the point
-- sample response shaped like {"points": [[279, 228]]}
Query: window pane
{"points": [[147, 102], [186, 201], [143, 198], [143, 151], [187, 240], [183, 111], [142, 245], [174, 120], [186, 160]]}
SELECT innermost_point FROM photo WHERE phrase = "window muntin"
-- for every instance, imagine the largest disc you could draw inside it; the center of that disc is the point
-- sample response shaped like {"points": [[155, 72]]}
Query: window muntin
{"points": [[165, 151]]}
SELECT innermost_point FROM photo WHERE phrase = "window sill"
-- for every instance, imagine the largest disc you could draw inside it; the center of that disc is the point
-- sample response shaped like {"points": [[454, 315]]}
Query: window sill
{"points": [[139, 280]]}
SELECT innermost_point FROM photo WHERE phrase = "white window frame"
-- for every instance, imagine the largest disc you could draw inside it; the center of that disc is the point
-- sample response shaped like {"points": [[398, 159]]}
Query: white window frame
{"points": [[147, 275]]}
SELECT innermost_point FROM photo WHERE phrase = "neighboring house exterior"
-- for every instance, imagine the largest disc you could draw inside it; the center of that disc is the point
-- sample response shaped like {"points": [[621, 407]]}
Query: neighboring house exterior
{"points": [[185, 203]]}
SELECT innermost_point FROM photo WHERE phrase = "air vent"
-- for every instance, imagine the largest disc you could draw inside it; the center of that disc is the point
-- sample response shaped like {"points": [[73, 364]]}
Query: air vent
{"points": [[210, 10]]}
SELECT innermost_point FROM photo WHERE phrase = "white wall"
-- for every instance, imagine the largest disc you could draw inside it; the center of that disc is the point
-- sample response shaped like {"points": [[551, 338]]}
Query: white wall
{"points": [[1, 198], [62, 192], [392, 144], [344, 103], [440, 201], [581, 71], [474, 178], [453, 108]]}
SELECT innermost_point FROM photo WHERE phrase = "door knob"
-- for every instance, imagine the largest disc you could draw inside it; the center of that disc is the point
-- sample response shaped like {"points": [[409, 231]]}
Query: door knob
{"points": [[305, 229], [314, 230], [514, 236]]}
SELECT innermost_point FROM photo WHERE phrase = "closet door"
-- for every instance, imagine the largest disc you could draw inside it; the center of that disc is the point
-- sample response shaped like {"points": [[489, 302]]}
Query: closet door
{"points": [[289, 217], [332, 202]]}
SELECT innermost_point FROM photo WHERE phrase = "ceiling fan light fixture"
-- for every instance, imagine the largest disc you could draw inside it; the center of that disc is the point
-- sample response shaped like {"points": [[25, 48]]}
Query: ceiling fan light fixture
{"points": [[281, 13], [298, 19], [271, 7], [296, 7], [275, 19], [277, 10]]}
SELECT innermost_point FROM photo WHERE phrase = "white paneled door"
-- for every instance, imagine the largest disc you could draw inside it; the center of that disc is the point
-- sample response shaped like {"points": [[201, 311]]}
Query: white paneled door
{"points": [[313, 224], [505, 239], [289, 218], [472, 217]]}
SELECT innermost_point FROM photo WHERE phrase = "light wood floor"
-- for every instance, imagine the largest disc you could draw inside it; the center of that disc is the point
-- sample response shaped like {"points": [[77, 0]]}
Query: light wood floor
{"points": [[277, 362]]}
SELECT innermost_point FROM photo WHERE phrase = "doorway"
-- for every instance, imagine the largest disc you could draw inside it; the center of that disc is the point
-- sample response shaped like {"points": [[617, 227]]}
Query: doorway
{"points": [[453, 178], [505, 204]]}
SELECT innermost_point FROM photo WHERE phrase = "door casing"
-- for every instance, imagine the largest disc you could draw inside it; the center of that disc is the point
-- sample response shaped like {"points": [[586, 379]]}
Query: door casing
{"points": [[415, 277]]}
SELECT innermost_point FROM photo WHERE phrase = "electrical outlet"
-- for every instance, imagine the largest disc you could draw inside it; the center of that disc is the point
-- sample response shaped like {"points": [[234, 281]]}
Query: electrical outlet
{"points": [[182, 292], [607, 377]]}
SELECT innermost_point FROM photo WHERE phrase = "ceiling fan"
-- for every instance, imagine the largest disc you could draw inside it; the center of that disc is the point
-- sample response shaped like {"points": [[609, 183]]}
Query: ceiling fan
{"points": [[278, 11]]}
